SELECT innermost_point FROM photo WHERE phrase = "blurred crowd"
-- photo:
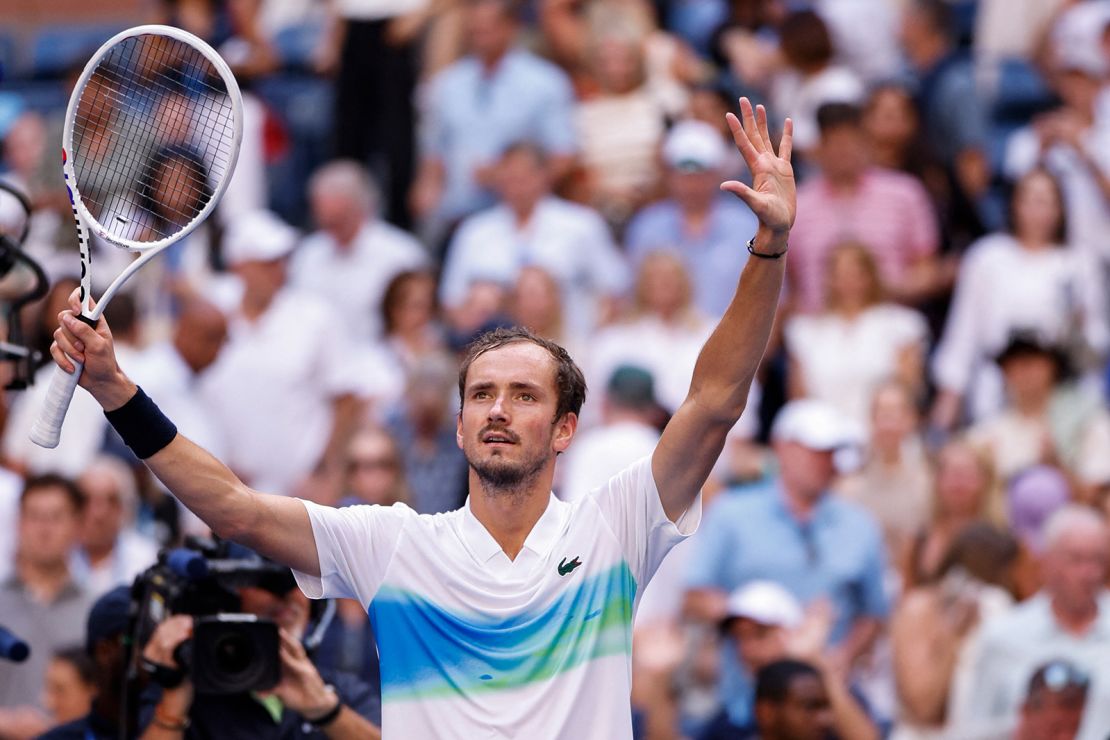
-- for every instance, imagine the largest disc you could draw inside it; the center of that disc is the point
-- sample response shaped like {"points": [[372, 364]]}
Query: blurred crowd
{"points": [[907, 533]]}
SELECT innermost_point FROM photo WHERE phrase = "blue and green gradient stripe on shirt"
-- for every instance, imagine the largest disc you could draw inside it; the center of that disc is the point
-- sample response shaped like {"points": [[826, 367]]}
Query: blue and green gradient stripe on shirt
{"points": [[428, 651]]}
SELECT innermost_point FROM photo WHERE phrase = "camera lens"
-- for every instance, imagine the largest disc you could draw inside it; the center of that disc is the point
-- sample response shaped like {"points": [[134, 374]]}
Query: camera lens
{"points": [[233, 652]]}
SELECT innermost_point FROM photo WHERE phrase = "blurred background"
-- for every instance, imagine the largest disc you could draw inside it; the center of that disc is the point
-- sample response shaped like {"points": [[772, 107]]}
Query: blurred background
{"points": [[913, 506]]}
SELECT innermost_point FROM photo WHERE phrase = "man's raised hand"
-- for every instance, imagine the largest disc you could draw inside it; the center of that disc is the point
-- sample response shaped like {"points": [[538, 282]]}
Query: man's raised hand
{"points": [[772, 195]]}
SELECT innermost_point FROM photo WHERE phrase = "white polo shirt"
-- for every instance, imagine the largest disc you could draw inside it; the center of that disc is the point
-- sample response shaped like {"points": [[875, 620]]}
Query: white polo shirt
{"points": [[474, 645]]}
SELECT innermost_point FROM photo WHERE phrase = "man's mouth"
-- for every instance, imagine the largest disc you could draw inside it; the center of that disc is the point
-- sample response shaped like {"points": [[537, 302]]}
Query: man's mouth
{"points": [[502, 437]]}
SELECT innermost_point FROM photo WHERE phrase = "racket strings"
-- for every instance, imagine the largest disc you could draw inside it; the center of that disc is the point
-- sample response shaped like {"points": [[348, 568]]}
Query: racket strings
{"points": [[153, 133]]}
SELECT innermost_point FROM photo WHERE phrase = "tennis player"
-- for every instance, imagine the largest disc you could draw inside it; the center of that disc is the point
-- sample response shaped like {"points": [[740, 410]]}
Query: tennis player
{"points": [[512, 616]]}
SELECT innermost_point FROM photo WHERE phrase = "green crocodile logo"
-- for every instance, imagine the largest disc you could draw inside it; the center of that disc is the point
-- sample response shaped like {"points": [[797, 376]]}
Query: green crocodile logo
{"points": [[565, 568]]}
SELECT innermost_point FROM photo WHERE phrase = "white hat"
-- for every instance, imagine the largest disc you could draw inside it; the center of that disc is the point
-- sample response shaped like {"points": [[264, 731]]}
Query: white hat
{"points": [[817, 425], [258, 236], [694, 146], [765, 602]]}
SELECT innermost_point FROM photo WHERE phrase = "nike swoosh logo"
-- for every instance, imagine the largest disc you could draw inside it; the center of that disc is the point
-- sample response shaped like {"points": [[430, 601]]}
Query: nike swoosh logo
{"points": [[565, 568]]}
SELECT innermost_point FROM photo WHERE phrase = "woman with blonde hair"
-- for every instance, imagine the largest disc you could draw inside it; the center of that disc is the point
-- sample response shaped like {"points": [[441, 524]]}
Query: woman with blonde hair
{"points": [[965, 492], [843, 354]]}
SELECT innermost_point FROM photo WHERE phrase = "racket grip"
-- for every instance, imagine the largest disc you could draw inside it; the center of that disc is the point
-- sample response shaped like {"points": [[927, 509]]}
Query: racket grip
{"points": [[47, 429]]}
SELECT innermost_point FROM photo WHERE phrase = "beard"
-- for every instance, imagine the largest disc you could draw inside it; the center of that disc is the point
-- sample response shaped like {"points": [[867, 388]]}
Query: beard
{"points": [[499, 476]]}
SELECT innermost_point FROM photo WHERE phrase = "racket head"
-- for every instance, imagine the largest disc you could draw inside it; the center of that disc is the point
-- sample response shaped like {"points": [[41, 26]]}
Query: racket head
{"points": [[151, 136]]}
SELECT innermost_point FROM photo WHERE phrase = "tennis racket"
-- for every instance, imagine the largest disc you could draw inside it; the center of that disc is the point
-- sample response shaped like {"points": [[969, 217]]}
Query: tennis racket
{"points": [[151, 137]]}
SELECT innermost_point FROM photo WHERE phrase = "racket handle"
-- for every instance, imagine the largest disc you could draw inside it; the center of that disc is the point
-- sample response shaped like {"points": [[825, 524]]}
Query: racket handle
{"points": [[47, 429]]}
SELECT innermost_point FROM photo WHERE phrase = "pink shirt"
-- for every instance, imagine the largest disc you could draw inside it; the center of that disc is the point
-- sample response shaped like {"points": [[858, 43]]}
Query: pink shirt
{"points": [[889, 213]]}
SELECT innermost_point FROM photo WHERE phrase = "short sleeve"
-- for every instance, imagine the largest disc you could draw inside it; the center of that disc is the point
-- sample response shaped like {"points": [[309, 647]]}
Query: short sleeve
{"points": [[630, 505], [355, 546]]}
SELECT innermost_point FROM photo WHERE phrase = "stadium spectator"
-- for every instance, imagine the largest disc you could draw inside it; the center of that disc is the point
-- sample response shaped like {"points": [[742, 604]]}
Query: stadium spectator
{"points": [[411, 322], [374, 49], [952, 115], [851, 199], [70, 685], [793, 532], [375, 470], [936, 623], [1069, 619], [104, 647], [766, 625], [894, 133], [474, 109], [40, 601], [1072, 141], [1045, 418], [1054, 703], [810, 77], [695, 221], [424, 429], [1048, 289], [620, 127], [112, 551], [533, 227], [860, 339], [965, 492], [282, 391], [792, 703], [895, 481], [351, 259], [662, 335], [536, 303], [628, 431]]}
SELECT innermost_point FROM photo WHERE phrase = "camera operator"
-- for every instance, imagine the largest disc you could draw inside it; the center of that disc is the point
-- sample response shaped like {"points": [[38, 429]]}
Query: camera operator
{"points": [[307, 703]]}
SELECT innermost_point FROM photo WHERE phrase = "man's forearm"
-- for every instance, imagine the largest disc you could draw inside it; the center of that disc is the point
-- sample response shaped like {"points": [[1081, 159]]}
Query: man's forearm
{"points": [[729, 360]]}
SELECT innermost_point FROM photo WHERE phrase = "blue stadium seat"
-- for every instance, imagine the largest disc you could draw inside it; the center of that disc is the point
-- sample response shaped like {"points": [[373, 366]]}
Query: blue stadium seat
{"points": [[57, 49]]}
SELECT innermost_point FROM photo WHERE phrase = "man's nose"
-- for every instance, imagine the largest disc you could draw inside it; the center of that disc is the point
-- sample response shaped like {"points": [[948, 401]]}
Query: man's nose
{"points": [[498, 410]]}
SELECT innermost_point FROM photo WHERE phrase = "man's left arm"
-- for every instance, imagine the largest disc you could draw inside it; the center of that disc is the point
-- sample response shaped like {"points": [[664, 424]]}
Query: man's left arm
{"points": [[695, 436]]}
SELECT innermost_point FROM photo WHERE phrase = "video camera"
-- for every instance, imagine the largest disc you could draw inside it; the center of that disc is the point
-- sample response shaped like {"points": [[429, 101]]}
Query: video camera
{"points": [[230, 652]]}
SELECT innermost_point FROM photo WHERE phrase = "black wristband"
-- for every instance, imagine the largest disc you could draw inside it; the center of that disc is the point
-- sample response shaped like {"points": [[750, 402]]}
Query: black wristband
{"points": [[327, 719], [751, 250], [142, 425]]}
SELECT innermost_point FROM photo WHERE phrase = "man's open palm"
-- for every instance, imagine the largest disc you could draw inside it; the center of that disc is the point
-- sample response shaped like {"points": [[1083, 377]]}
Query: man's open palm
{"points": [[772, 195]]}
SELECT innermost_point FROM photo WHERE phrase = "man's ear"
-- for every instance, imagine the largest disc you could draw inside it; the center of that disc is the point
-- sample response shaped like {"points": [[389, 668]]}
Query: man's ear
{"points": [[565, 428], [458, 430]]}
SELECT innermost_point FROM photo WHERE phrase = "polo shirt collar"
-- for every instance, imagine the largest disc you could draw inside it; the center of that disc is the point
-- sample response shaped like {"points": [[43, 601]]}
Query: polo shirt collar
{"points": [[821, 510], [540, 540]]}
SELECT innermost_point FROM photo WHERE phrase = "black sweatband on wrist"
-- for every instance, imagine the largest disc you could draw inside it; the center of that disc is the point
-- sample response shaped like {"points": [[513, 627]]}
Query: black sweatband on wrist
{"points": [[329, 717], [142, 425], [751, 250]]}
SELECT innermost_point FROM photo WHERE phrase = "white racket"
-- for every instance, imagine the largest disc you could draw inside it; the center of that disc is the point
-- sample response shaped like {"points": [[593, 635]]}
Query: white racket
{"points": [[151, 137]]}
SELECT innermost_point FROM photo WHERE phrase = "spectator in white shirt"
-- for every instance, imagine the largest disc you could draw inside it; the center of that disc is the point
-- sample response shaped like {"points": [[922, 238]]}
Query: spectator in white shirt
{"points": [[1025, 279], [842, 354], [533, 227], [283, 390], [1069, 619], [112, 551], [351, 259]]}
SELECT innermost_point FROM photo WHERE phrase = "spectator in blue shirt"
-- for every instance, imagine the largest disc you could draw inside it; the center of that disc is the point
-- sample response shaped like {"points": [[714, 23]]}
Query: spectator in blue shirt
{"points": [[472, 110], [696, 221], [794, 533]]}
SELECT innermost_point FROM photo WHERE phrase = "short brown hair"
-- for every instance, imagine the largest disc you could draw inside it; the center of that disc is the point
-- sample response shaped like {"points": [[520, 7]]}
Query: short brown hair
{"points": [[569, 381], [48, 481]]}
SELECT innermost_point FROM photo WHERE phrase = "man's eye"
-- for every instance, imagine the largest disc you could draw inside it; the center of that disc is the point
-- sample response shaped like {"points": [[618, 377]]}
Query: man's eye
{"points": [[527, 397], [481, 395]]}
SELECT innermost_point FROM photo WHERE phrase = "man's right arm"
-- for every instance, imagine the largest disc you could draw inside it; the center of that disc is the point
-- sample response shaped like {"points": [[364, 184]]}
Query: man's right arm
{"points": [[275, 526]]}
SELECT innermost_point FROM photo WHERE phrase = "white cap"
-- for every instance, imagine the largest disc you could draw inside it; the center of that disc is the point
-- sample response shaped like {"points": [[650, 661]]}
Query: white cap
{"points": [[694, 146], [258, 236], [817, 425], [765, 602]]}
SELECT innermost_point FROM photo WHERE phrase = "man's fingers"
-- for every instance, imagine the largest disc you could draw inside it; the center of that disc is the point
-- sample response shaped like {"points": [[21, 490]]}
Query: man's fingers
{"points": [[786, 145], [75, 349], [747, 116], [61, 358], [761, 126], [79, 329], [742, 143], [740, 190]]}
